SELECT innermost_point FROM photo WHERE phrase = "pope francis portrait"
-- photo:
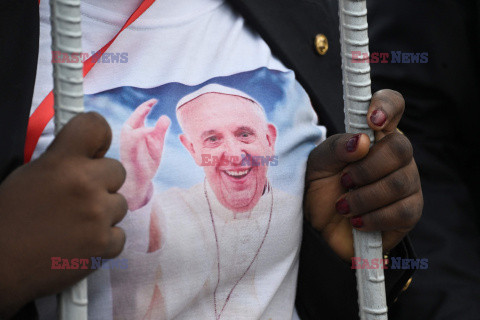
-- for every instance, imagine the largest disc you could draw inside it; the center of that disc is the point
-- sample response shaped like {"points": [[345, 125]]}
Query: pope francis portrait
{"points": [[209, 244]]}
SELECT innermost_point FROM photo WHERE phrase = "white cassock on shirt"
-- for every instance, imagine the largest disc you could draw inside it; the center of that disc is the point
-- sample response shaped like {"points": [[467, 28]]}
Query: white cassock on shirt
{"points": [[198, 281]]}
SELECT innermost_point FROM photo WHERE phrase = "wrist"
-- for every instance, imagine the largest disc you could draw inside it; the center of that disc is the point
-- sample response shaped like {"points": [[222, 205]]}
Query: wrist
{"points": [[138, 197]]}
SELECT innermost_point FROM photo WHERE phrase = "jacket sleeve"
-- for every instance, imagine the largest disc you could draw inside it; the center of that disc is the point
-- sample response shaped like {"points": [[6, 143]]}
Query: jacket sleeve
{"points": [[327, 285], [19, 31]]}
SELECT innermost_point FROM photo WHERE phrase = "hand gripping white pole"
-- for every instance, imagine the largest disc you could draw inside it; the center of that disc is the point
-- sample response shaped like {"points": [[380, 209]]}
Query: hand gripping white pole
{"points": [[357, 95], [65, 19]]}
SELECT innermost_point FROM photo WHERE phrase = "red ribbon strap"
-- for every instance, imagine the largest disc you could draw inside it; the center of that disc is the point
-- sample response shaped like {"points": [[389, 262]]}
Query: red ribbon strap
{"points": [[44, 113]]}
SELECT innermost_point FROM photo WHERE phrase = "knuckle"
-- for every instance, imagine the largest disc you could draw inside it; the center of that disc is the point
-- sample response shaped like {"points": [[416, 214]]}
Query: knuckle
{"points": [[398, 100], [417, 207], [116, 169], [417, 184], [101, 242], [96, 212], [120, 169], [99, 128], [96, 120], [420, 208], [400, 148], [122, 205], [413, 177], [406, 213], [82, 183], [392, 97], [399, 183], [98, 240]]}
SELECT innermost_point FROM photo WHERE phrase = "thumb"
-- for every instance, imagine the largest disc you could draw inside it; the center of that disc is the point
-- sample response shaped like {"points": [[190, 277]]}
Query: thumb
{"points": [[335, 153], [88, 134]]}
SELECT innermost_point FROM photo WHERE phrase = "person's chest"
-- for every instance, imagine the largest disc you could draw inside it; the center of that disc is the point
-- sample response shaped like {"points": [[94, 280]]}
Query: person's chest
{"points": [[168, 58]]}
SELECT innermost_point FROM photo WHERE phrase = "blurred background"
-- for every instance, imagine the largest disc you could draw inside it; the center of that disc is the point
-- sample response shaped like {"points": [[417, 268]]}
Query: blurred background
{"points": [[441, 120]]}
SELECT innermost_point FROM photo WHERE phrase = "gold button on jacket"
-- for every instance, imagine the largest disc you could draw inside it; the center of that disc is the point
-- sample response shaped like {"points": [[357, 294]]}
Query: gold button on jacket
{"points": [[321, 44]]}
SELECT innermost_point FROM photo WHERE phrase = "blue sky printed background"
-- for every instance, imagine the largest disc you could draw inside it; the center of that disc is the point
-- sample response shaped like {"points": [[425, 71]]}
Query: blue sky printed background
{"points": [[285, 102]]}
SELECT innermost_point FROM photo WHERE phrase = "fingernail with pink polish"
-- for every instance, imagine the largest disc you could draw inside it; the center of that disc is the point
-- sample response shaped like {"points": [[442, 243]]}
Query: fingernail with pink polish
{"points": [[342, 206], [356, 222], [378, 118], [352, 143]]}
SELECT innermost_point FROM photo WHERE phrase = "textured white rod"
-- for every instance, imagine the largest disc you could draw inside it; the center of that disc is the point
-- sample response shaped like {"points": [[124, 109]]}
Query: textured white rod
{"points": [[357, 94], [65, 19], [68, 76], [74, 302]]}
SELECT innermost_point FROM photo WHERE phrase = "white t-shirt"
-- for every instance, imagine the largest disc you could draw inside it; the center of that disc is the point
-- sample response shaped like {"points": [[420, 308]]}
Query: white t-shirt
{"points": [[227, 237]]}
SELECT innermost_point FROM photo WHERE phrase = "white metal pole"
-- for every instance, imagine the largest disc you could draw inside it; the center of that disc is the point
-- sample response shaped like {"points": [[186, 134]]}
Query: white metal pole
{"points": [[68, 93], [357, 95]]}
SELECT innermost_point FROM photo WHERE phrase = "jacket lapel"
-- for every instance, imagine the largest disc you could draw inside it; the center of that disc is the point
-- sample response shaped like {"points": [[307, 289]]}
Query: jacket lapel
{"points": [[289, 27]]}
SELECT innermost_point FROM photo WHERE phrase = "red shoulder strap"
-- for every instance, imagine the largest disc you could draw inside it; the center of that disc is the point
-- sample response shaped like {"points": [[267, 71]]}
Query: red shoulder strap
{"points": [[44, 113]]}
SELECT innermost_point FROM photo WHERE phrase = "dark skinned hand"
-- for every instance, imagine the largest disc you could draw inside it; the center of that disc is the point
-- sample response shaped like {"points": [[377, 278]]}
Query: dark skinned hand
{"points": [[350, 185], [64, 204]]}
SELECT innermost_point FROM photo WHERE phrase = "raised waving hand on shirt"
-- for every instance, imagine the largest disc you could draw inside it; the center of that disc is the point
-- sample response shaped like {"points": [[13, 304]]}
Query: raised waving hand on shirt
{"points": [[141, 150]]}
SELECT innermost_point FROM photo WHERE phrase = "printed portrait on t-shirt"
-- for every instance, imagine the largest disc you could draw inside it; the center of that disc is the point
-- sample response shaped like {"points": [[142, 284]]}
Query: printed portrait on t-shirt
{"points": [[214, 132], [215, 173]]}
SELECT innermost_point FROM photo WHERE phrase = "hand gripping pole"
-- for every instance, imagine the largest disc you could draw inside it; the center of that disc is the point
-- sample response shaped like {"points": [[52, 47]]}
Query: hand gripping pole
{"points": [[357, 95]]}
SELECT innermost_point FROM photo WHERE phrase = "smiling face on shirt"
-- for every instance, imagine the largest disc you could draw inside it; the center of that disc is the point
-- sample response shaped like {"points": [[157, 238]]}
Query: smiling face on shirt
{"points": [[221, 129]]}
